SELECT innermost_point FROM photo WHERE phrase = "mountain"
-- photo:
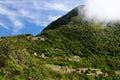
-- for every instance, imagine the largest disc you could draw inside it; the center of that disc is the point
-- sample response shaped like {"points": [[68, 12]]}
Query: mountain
{"points": [[67, 49]]}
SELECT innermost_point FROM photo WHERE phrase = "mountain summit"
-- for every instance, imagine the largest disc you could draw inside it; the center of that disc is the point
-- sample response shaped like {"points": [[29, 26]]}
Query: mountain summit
{"points": [[69, 48]]}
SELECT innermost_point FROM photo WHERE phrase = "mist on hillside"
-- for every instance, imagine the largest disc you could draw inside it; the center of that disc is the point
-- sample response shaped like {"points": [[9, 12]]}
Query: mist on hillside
{"points": [[101, 11]]}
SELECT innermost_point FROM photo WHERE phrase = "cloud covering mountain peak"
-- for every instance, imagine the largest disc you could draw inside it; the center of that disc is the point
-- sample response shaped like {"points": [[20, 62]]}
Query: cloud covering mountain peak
{"points": [[102, 10]]}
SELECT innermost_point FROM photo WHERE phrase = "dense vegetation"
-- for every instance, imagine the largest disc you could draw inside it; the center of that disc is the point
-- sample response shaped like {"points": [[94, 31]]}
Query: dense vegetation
{"points": [[68, 43]]}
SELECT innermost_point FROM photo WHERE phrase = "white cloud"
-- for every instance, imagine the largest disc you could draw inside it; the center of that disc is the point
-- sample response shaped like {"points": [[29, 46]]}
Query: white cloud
{"points": [[18, 23], [52, 18], [38, 12], [57, 6], [102, 10], [12, 16], [3, 25]]}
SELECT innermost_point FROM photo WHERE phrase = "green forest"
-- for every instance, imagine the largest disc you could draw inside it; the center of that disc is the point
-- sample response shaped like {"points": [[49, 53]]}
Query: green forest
{"points": [[67, 49]]}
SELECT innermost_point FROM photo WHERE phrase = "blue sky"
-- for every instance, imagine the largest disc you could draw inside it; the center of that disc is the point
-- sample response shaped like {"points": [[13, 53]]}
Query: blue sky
{"points": [[31, 16]]}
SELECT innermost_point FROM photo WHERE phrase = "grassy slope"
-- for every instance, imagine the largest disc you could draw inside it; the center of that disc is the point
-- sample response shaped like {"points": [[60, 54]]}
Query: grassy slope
{"points": [[97, 47]]}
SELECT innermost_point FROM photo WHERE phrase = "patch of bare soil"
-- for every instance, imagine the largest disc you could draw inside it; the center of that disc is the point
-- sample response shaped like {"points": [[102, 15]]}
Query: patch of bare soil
{"points": [[74, 58], [63, 69], [60, 68], [117, 72]]}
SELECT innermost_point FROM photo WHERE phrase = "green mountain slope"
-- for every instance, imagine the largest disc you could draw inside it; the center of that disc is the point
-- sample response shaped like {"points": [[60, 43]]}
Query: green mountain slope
{"points": [[67, 49]]}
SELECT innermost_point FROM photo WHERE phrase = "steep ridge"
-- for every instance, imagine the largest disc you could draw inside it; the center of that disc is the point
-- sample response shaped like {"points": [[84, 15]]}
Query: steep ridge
{"points": [[63, 20]]}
